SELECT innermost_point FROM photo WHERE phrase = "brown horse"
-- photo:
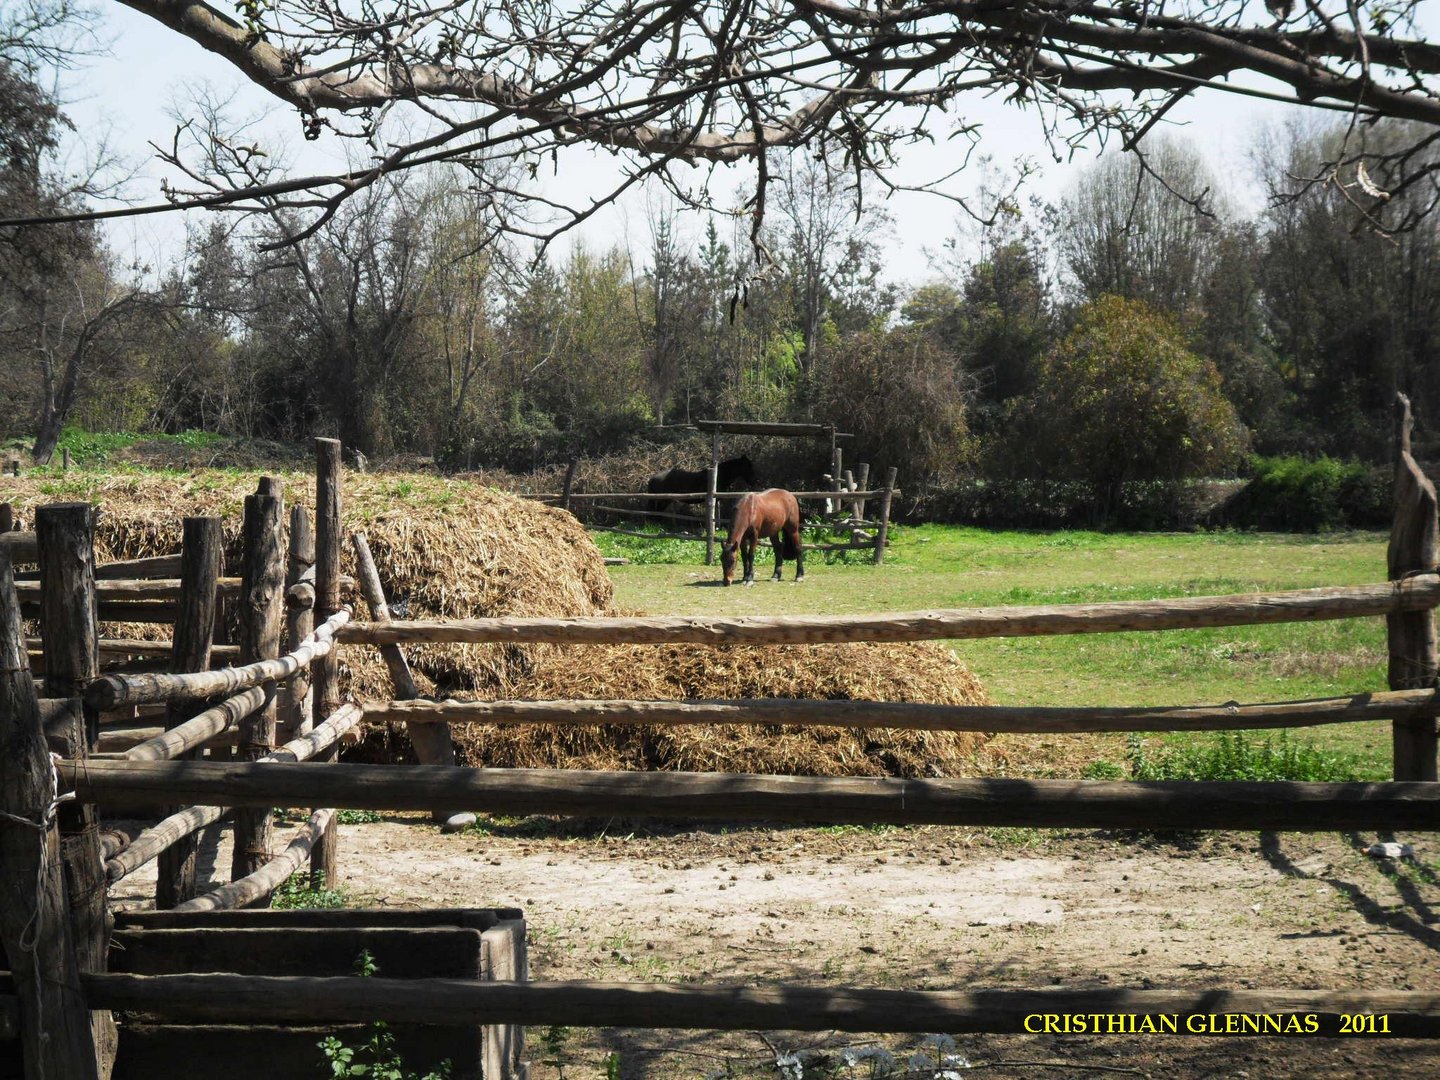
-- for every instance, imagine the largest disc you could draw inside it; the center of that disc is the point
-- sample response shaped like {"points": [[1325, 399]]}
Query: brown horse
{"points": [[774, 514]]}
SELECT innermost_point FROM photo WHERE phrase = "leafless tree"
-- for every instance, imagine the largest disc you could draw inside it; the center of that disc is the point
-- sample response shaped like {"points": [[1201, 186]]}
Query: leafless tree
{"points": [[670, 84]]}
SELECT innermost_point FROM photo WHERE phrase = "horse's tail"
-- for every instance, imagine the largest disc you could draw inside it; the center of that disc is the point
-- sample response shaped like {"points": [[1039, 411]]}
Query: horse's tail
{"points": [[789, 547]]}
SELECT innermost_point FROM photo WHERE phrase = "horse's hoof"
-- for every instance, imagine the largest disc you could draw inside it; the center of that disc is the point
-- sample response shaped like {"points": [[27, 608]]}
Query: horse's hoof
{"points": [[725, 583]]}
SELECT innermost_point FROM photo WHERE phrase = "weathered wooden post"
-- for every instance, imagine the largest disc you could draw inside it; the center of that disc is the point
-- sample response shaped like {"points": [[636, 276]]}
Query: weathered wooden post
{"points": [[194, 631], [711, 480], [7, 517], [55, 1035], [837, 478], [433, 743], [65, 460], [862, 479], [259, 608], [1412, 644], [711, 486], [883, 532], [65, 541], [296, 718], [569, 483], [326, 670]]}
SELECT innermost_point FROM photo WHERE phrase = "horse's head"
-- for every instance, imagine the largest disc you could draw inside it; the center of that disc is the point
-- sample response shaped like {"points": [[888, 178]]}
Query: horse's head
{"points": [[727, 560]]}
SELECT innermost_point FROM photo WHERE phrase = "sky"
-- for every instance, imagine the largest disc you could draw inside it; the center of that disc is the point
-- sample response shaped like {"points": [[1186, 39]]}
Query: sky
{"points": [[143, 71]]}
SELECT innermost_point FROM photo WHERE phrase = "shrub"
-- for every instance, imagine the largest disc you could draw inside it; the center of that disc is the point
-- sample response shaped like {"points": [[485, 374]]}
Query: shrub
{"points": [[1233, 755], [1296, 494]]}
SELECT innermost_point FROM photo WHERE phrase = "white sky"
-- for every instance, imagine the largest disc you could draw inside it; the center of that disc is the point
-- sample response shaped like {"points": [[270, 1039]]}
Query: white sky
{"points": [[146, 69]]}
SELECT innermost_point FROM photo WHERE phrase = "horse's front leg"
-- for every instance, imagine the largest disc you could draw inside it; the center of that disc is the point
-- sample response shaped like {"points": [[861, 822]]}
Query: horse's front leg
{"points": [[776, 543], [747, 554]]}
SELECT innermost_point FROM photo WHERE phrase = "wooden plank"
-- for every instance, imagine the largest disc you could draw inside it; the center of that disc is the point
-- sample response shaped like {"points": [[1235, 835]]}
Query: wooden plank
{"points": [[54, 1020], [913, 716], [288, 1052], [296, 706], [474, 918], [883, 533], [1303, 605], [687, 496], [141, 647], [1412, 1013], [1411, 634], [326, 673], [21, 546], [200, 729], [150, 843], [256, 887], [432, 742], [260, 607], [66, 537], [113, 691], [139, 589], [1078, 804], [505, 959], [441, 952], [767, 427], [202, 547]]}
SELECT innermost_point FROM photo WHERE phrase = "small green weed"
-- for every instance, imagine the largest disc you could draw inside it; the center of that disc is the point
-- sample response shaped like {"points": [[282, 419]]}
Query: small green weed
{"points": [[295, 893], [1232, 755], [358, 817], [376, 1058]]}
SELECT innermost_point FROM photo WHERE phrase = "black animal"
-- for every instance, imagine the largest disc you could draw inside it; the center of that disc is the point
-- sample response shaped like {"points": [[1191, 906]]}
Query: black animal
{"points": [[679, 481]]}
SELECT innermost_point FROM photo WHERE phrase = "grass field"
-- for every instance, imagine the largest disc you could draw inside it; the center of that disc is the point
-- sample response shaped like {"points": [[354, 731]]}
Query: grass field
{"points": [[940, 566]]}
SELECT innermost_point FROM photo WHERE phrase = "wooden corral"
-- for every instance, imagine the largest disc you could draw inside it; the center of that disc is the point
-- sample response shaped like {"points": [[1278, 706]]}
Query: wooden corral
{"points": [[843, 502], [55, 947]]}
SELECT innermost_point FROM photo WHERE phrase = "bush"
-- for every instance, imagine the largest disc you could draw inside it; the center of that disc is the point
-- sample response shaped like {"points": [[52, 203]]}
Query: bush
{"points": [[1232, 755], [1296, 494]]}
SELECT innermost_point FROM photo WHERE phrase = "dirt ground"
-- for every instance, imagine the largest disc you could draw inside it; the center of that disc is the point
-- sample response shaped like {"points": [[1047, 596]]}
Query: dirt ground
{"points": [[930, 908]]}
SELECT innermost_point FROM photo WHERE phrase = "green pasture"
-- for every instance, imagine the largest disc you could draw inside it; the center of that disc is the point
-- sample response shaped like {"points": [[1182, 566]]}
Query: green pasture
{"points": [[936, 566]]}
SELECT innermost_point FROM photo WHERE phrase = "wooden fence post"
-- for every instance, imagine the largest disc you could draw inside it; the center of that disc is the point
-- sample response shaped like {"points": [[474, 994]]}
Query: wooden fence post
{"points": [[326, 671], [65, 460], [433, 743], [862, 480], [55, 1037], [295, 717], [569, 483], [711, 480], [65, 539], [883, 532], [7, 517], [194, 631], [1412, 644], [259, 608]]}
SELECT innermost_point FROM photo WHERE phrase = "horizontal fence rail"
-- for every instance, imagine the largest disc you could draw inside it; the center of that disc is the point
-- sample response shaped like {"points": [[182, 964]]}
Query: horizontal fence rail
{"points": [[1063, 804], [1384, 705], [111, 691], [148, 845], [257, 998], [1301, 605], [840, 494]]}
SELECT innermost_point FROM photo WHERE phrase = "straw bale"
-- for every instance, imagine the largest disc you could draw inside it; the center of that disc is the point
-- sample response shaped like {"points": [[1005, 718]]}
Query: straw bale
{"points": [[862, 671]]}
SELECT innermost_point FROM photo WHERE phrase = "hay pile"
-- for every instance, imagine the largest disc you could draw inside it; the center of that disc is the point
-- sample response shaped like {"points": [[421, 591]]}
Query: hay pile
{"points": [[916, 672], [451, 549], [445, 549]]}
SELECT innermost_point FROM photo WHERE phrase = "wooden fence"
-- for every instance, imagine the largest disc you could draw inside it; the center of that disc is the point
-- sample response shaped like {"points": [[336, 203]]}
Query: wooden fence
{"points": [[845, 508], [59, 967]]}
